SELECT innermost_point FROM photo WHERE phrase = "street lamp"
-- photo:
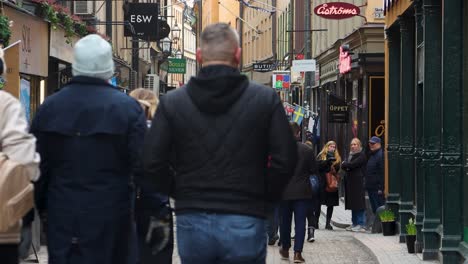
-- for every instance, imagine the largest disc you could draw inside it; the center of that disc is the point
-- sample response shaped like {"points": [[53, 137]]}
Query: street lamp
{"points": [[166, 45], [175, 32], [178, 54]]}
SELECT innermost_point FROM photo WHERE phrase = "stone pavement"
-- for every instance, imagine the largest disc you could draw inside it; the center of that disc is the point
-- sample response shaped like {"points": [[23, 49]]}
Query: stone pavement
{"points": [[387, 249], [337, 246]]}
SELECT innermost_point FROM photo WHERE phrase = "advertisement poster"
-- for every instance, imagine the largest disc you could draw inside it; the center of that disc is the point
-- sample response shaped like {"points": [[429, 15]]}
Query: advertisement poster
{"points": [[25, 95]]}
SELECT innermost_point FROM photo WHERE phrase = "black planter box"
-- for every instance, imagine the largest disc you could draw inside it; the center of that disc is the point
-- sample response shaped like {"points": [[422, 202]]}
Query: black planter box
{"points": [[388, 228], [410, 243]]}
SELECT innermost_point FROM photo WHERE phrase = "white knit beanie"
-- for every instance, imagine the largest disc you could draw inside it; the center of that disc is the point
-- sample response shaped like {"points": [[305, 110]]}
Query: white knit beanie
{"points": [[93, 58]]}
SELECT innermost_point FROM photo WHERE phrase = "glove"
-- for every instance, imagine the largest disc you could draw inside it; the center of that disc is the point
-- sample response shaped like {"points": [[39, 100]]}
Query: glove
{"points": [[157, 236]]}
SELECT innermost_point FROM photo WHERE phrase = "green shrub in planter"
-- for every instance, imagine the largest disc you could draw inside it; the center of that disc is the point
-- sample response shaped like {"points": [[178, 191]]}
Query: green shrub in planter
{"points": [[387, 216], [410, 235], [387, 219], [411, 227]]}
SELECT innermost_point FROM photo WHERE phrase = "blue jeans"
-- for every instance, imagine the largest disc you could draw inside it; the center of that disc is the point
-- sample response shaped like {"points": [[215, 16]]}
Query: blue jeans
{"points": [[211, 238], [376, 200], [300, 208], [272, 223], [358, 217]]}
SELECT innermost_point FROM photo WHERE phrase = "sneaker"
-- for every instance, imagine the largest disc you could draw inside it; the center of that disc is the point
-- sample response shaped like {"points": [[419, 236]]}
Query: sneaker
{"points": [[272, 241], [284, 253], [328, 227], [358, 228], [349, 228], [311, 234], [298, 258]]}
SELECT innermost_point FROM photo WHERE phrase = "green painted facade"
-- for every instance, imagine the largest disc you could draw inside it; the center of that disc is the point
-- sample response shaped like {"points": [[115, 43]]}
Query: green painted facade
{"points": [[428, 126]]}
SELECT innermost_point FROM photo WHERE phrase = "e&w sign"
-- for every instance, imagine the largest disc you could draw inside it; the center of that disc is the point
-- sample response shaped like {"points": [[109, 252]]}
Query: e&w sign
{"points": [[144, 19]]}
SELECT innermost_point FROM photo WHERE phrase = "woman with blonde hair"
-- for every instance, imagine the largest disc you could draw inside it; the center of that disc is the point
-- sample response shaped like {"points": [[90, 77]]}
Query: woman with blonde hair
{"points": [[329, 162], [153, 214], [355, 166], [148, 101]]}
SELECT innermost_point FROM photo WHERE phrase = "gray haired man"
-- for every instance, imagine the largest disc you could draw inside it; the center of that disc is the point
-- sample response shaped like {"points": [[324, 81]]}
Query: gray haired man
{"points": [[217, 133]]}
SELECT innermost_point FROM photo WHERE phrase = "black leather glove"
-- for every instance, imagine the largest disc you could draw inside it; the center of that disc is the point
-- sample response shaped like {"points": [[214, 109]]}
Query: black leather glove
{"points": [[158, 234]]}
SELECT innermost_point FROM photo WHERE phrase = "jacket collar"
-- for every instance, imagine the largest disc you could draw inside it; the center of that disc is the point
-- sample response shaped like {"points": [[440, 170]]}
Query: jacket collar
{"points": [[90, 80]]}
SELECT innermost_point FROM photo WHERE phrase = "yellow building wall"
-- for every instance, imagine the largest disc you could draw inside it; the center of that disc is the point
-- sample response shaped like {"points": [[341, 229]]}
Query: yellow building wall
{"points": [[210, 12], [257, 42], [213, 12], [397, 9], [228, 12]]}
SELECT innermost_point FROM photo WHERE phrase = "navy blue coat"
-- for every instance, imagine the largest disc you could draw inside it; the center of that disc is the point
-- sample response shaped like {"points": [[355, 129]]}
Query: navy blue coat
{"points": [[90, 137], [375, 171]]}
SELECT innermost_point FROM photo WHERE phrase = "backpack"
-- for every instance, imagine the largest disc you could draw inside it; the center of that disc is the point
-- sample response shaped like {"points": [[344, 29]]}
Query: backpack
{"points": [[332, 181], [16, 192]]}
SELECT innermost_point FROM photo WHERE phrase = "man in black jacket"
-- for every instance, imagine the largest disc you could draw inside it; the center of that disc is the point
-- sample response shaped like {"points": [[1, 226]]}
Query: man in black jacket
{"points": [[375, 174], [217, 133]]}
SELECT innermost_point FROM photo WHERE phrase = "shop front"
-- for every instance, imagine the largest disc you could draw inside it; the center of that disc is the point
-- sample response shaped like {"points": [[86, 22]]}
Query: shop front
{"points": [[32, 36], [350, 98], [426, 65], [60, 60]]}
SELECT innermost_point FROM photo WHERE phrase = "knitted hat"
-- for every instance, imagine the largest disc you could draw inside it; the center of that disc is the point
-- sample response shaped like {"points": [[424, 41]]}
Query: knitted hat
{"points": [[93, 58]]}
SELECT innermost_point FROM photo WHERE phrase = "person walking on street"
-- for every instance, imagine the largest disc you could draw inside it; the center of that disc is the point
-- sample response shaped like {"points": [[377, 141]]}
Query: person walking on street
{"points": [[90, 137], [355, 167], [151, 208], [329, 162], [375, 174], [19, 146], [297, 200], [217, 133]]}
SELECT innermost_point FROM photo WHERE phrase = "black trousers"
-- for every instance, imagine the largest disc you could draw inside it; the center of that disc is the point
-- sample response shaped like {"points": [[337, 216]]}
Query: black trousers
{"points": [[9, 253], [313, 215]]}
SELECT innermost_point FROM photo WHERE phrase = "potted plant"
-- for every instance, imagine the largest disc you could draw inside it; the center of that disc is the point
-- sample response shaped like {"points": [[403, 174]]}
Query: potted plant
{"points": [[387, 218], [410, 235]]}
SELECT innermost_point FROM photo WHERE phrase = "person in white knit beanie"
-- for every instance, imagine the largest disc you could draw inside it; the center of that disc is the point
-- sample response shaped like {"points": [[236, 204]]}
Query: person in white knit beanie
{"points": [[90, 136], [93, 58]]}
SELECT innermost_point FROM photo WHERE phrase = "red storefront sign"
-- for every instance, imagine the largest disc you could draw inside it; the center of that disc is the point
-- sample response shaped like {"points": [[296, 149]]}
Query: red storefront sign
{"points": [[337, 10], [345, 61]]}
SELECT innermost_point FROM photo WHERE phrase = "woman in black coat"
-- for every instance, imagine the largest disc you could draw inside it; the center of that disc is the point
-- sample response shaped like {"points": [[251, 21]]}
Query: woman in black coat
{"points": [[296, 200], [152, 210], [329, 161], [355, 166]]}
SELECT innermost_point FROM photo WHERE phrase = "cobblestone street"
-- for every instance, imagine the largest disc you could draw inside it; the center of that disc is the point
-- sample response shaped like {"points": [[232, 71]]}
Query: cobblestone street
{"points": [[337, 246]]}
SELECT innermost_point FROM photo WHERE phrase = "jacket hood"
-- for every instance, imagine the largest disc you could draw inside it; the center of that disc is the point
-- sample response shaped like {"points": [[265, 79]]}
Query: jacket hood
{"points": [[216, 88]]}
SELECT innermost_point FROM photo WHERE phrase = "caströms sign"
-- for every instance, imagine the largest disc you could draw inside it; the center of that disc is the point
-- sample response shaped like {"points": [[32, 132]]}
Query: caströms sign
{"points": [[337, 10]]}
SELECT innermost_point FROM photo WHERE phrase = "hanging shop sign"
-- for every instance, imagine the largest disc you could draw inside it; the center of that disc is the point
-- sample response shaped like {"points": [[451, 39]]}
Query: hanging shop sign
{"points": [[281, 81], [59, 48], [263, 67], [338, 110], [337, 10], [34, 36], [177, 66], [303, 66], [144, 19], [344, 60], [12, 60]]}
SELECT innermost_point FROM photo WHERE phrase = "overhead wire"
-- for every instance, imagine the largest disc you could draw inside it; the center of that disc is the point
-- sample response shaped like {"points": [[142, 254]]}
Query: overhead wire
{"points": [[241, 19]]}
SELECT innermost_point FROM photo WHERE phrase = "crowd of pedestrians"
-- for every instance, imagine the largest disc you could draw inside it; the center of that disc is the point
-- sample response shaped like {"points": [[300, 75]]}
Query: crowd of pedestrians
{"points": [[221, 146]]}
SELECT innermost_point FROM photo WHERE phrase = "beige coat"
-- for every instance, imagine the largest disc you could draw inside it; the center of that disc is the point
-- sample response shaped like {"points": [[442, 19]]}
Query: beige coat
{"points": [[18, 145]]}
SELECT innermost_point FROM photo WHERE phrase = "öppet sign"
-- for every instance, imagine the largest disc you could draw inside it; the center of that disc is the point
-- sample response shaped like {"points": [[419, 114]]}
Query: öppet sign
{"points": [[337, 10]]}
